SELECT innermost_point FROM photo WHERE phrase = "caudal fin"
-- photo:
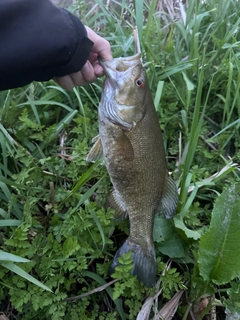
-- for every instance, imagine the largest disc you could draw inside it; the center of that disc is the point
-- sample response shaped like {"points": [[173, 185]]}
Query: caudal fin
{"points": [[144, 262]]}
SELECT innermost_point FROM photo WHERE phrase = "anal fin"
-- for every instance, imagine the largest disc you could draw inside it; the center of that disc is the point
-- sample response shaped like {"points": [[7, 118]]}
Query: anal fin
{"points": [[169, 200], [115, 202]]}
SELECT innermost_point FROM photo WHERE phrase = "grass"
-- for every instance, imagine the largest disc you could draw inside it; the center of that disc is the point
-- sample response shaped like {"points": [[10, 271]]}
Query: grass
{"points": [[53, 227]]}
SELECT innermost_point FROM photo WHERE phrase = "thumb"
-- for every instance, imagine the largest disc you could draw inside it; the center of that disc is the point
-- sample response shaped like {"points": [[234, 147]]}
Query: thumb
{"points": [[101, 46]]}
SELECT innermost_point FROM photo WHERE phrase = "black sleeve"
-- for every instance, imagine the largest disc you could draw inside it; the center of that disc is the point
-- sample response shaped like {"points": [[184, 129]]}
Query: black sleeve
{"points": [[39, 41]]}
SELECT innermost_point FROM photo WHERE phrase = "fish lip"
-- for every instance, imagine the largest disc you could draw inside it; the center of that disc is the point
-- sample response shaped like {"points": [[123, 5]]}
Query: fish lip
{"points": [[102, 61], [129, 58], [106, 65], [112, 64]]}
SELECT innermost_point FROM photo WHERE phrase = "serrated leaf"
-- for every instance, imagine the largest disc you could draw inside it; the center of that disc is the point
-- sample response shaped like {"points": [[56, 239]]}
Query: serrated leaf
{"points": [[219, 254], [233, 303]]}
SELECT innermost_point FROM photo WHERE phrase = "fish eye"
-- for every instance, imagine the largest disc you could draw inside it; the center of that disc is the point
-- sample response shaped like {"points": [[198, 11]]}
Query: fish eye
{"points": [[140, 82]]}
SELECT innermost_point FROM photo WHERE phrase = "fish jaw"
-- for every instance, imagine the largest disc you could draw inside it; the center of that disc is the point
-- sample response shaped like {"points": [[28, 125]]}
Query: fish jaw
{"points": [[118, 70], [119, 64]]}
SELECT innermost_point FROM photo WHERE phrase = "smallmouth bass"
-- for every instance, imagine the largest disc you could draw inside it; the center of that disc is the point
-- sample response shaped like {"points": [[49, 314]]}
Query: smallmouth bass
{"points": [[130, 142]]}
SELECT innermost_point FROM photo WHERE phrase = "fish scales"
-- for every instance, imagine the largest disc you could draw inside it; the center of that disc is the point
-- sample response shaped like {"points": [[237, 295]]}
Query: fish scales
{"points": [[130, 141]]}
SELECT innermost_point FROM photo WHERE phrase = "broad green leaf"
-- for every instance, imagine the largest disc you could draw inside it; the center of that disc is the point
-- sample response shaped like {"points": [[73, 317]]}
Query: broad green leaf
{"points": [[194, 234], [16, 269], [5, 256], [170, 242], [219, 254]]}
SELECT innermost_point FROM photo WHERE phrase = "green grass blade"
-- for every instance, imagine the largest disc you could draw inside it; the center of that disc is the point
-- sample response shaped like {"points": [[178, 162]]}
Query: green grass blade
{"points": [[60, 126], [84, 178], [150, 19], [47, 103], [16, 269], [10, 223], [234, 123], [3, 213], [139, 17], [7, 136], [96, 220], [109, 290], [5, 190], [194, 133], [89, 193], [5, 256], [34, 109], [158, 94], [75, 90], [64, 92]]}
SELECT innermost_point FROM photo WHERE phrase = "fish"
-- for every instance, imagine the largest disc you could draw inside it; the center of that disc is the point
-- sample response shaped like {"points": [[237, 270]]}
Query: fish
{"points": [[130, 143]]}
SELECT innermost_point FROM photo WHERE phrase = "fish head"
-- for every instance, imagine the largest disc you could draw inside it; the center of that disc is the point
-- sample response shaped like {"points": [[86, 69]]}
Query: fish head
{"points": [[124, 90]]}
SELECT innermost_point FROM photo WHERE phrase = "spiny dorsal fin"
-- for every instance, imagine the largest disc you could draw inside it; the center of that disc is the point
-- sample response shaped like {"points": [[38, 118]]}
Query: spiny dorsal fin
{"points": [[169, 198], [96, 152]]}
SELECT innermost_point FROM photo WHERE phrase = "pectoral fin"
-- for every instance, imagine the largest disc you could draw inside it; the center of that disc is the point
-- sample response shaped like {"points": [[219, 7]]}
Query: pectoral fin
{"points": [[169, 198], [96, 152], [115, 202], [95, 139], [124, 146]]}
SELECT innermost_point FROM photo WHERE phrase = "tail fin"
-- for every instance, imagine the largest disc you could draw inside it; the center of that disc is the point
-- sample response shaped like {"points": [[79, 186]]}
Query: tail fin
{"points": [[144, 262]]}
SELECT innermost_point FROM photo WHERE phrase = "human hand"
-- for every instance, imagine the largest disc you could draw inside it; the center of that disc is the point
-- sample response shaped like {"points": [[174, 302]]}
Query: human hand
{"points": [[92, 69]]}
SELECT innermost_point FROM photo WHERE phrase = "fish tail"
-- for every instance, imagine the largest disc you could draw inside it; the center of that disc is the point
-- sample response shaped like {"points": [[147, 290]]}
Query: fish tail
{"points": [[144, 262]]}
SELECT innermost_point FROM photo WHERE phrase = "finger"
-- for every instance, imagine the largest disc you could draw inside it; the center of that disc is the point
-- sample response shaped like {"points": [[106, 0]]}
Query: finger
{"points": [[98, 69], [93, 57], [65, 82], [103, 49], [101, 46], [78, 79], [88, 73]]}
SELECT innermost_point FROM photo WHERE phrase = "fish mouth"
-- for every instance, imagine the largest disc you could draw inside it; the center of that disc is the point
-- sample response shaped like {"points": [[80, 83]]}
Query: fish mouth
{"points": [[119, 65]]}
